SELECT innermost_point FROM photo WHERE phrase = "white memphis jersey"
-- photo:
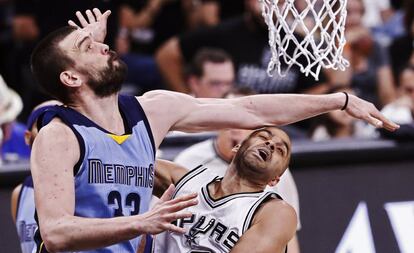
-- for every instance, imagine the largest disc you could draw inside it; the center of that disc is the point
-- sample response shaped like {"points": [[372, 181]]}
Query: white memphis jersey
{"points": [[216, 224], [25, 222]]}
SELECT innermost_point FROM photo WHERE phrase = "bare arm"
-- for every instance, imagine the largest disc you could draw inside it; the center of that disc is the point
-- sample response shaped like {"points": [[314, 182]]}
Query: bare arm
{"points": [[293, 245], [170, 61], [176, 111], [386, 86], [141, 19], [273, 227], [54, 154], [166, 173], [14, 201]]}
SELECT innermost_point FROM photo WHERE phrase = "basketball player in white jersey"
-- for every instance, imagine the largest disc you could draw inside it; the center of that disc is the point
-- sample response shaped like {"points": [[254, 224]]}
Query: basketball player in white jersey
{"points": [[234, 213], [81, 204]]}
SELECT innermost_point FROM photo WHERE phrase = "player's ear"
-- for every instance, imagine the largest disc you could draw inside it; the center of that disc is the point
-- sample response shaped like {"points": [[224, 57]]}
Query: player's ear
{"points": [[236, 148], [70, 78], [274, 181]]}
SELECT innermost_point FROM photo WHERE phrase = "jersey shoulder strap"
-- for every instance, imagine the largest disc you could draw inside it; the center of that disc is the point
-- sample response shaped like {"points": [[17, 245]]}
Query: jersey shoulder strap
{"points": [[188, 177]]}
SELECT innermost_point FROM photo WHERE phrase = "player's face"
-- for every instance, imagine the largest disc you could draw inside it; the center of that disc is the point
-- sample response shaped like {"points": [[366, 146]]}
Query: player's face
{"points": [[355, 10], [216, 81], [264, 155], [103, 70]]}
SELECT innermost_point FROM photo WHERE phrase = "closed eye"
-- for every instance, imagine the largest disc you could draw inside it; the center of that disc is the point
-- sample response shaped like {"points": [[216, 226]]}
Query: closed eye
{"points": [[281, 151], [89, 47]]}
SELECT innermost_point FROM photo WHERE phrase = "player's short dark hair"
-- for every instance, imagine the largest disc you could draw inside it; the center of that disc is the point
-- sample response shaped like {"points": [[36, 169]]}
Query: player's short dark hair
{"points": [[48, 61], [214, 55]]}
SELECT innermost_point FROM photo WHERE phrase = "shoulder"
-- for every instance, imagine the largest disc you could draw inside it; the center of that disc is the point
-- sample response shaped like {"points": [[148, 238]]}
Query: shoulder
{"points": [[55, 136], [276, 213], [170, 104], [56, 128], [155, 95]]}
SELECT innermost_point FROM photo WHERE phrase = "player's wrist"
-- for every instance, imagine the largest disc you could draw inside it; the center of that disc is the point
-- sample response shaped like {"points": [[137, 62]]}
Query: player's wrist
{"points": [[138, 225], [335, 101]]}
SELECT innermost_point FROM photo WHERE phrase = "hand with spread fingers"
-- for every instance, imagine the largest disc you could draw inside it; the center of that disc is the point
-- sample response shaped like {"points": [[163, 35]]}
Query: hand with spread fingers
{"points": [[166, 211], [364, 110], [96, 23]]}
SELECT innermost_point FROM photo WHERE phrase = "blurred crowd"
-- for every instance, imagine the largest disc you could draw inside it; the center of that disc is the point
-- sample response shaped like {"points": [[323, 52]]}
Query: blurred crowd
{"points": [[209, 47]]}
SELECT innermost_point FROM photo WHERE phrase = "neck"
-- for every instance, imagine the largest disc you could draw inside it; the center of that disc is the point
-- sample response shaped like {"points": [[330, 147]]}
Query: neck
{"points": [[103, 111], [232, 183]]}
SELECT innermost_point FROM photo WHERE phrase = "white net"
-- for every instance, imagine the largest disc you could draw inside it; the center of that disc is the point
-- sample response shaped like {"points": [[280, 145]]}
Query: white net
{"points": [[306, 33]]}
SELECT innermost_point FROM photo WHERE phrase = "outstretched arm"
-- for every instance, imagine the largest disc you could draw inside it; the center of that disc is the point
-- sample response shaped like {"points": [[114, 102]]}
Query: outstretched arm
{"points": [[176, 111], [273, 227], [54, 188], [166, 173]]}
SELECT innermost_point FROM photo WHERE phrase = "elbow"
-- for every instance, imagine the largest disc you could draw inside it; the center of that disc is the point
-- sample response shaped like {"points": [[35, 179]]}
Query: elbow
{"points": [[53, 239]]}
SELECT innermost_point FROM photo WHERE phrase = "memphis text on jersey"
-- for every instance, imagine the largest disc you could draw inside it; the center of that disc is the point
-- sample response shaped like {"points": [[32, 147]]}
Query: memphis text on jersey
{"points": [[201, 226], [101, 173]]}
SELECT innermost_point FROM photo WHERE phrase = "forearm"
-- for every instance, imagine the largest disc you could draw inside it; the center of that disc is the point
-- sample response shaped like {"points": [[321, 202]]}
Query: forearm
{"points": [[386, 87], [252, 112], [282, 109], [166, 173], [72, 233]]}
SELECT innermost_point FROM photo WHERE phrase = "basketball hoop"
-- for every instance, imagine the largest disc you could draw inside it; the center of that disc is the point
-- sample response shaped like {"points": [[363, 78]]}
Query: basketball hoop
{"points": [[321, 23]]}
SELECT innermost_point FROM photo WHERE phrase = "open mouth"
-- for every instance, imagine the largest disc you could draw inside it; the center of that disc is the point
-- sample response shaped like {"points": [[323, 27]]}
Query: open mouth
{"points": [[264, 154]]}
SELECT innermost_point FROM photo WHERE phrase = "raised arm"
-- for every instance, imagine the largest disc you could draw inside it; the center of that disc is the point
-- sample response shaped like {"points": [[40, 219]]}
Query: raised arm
{"points": [[96, 23], [176, 111], [166, 173], [273, 227], [171, 64], [54, 154]]}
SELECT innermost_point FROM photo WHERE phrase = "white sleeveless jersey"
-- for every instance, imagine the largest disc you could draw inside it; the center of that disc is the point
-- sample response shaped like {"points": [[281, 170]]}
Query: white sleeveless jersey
{"points": [[216, 224]]}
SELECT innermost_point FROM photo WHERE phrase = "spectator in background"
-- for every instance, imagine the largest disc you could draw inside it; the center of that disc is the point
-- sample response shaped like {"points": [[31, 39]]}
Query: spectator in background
{"points": [[10, 107], [402, 110], [245, 38], [391, 23], [402, 47], [216, 154], [6, 41], [369, 73], [213, 12], [145, 25], [211, 74]]}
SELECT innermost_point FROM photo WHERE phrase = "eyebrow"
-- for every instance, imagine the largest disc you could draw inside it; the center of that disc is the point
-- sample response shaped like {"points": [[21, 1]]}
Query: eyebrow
{"points": [[79, 44]]}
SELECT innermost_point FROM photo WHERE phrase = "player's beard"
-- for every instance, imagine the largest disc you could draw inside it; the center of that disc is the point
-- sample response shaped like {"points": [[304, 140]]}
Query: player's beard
{"points": [[248, 166], [109, 80], [245, 167]]}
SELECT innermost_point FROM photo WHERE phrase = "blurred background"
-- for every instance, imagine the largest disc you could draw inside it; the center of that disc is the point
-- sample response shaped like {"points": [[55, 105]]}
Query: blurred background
{"points": [[354, 182]]}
